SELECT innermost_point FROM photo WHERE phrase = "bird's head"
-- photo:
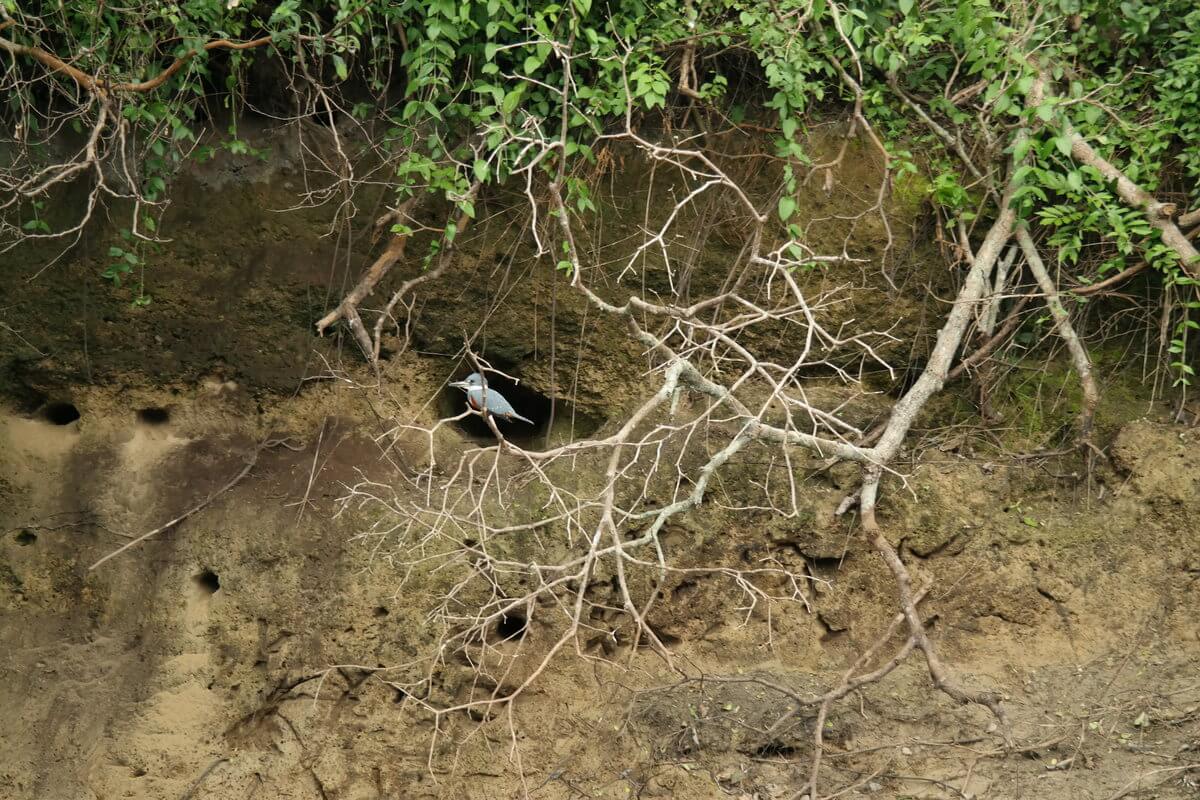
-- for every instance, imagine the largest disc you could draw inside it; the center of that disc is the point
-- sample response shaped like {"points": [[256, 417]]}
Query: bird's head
{"points": [[472, 381]]}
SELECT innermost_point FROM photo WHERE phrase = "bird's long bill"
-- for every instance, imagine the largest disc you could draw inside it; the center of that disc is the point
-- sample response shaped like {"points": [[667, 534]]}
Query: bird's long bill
{"points": [[459, 385]]}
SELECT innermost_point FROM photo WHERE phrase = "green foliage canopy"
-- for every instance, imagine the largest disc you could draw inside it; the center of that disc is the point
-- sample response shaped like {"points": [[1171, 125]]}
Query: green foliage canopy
{"points": [[450, 82]]}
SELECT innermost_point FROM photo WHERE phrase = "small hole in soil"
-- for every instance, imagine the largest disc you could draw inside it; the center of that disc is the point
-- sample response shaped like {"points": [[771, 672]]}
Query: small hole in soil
{"points": [[667, 639], [775, 749], [207, 581], [748, 553], [60, 413], [381, 611], [153, 416], [26, 538], [511, 627]]}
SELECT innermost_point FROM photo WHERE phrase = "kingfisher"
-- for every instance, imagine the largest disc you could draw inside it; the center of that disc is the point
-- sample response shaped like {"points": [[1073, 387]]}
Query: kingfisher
{"points": [[490, 400]]}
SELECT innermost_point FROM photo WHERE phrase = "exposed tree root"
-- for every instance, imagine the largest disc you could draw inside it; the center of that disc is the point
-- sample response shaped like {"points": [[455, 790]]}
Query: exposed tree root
{"points": [[348, 308], [444, 260], [396, 247]]}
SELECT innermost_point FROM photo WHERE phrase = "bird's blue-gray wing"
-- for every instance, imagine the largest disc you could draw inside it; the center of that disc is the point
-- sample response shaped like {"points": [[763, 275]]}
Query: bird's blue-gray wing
{"points": [[499, 405], [495, 401]]}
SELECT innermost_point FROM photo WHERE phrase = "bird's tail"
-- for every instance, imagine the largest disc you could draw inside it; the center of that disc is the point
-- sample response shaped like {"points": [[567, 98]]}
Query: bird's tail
{"points": [[515, 415]]}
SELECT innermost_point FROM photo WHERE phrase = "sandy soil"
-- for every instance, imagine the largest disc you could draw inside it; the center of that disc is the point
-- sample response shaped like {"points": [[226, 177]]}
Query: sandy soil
{"points": [[211, 644]]}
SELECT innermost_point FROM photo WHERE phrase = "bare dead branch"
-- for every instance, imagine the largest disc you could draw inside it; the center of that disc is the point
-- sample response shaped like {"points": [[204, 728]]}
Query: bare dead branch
{"points": [[56, 65], [1109, 282], [1160, 215], [1062, 321]]}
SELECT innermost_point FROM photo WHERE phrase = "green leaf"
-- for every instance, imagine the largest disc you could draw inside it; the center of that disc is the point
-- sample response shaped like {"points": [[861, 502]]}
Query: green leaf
{"points": [[512, 100], [906, 6], [339, 64], [1022, 149], [787, 207], [482, 170]]}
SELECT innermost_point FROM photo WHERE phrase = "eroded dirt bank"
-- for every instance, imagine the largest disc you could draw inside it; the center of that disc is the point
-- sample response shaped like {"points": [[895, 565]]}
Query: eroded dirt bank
{"points": [[237, 653]]}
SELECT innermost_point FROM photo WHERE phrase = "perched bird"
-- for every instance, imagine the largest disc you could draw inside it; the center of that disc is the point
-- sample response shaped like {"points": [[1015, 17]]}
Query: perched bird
{"points": [[489, 400]]}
